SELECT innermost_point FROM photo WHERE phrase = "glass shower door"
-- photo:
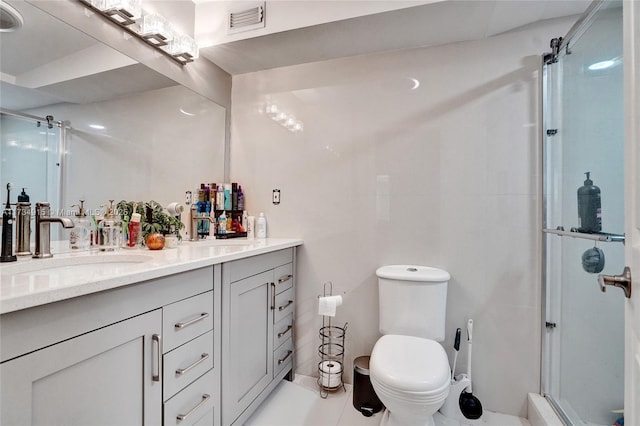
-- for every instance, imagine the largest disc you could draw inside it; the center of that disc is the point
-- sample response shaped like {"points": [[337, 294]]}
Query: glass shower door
{"points": [[30, 151], [584, 328]]}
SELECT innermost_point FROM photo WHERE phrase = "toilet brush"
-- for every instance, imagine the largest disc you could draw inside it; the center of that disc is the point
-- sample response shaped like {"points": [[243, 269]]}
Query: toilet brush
{"points": [[456, 346], [470, 405]]}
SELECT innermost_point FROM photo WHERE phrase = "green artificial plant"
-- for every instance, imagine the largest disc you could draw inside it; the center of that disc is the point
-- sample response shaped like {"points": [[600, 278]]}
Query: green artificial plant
{"points": [[153, 218]]}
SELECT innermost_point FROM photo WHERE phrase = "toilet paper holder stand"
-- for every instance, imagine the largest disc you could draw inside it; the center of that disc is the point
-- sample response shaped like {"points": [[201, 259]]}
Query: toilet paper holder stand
{"points": [[331, 351]]}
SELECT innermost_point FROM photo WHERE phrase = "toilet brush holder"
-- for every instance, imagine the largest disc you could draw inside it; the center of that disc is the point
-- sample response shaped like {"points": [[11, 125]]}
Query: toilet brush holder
{"points": [[451, 407]]}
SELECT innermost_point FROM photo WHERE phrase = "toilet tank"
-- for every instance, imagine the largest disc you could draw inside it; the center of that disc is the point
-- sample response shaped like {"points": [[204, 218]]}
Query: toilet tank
{"points": [[412, 300]]}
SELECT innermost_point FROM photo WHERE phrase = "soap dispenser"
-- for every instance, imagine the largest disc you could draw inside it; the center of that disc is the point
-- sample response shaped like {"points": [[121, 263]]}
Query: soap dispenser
{"points": [[23, 225], [589, 207], [109, 230], [80, 235]]}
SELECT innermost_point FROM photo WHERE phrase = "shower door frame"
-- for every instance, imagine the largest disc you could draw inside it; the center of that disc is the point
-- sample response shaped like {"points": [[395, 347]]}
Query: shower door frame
{"points": [[62, 137], [552, 114]]}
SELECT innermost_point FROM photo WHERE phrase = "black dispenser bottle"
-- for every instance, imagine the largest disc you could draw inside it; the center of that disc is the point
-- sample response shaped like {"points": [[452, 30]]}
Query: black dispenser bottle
{"points": [[7, 231], [589, 207]]}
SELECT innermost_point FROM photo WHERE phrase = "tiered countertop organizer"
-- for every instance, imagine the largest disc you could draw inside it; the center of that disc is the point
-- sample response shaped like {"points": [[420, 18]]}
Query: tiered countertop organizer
{"points": [[331, 351]]}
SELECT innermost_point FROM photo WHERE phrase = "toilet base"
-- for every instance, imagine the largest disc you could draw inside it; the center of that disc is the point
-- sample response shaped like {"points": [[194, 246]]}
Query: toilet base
{"points": [[389, 419]]}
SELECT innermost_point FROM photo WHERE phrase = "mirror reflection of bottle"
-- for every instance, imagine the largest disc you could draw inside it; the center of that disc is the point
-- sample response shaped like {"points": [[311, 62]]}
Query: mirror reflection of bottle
{"points": [[589, 207]]}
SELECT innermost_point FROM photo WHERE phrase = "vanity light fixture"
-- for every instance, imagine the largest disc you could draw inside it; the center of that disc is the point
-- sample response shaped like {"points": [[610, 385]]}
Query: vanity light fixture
{"points": [[153, 29], [124, 12]]}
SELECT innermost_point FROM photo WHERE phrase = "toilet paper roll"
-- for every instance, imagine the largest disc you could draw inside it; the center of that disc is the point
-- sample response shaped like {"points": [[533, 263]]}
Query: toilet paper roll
{"points": [[330, 374], [327, 305]]}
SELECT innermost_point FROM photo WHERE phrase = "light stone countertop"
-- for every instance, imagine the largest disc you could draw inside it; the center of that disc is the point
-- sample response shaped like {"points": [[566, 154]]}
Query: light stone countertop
{"points": [[32, 282]]}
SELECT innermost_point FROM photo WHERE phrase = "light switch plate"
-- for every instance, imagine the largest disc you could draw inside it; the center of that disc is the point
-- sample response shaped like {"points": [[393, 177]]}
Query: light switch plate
{"points": [[276, 197]]}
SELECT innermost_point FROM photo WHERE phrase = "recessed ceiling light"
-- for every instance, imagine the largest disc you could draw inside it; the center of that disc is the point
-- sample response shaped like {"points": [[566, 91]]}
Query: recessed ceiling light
{"points": [[603, 65], [97, 126]]}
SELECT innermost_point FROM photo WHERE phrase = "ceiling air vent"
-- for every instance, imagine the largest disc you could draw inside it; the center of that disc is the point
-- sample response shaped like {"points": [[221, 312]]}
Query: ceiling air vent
{"points": [[246, 19]]}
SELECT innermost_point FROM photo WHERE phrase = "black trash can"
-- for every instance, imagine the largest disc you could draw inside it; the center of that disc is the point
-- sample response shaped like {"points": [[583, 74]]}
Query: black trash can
{"points": [[365, 399]]}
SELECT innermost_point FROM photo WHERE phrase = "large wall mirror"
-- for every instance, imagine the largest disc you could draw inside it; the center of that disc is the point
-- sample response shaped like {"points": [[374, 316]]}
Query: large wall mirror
{"points": [[83, 121]]}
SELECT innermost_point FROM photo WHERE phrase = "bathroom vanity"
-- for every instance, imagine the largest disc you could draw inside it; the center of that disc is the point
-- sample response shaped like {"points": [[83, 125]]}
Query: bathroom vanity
{"points": [[200, 334]]}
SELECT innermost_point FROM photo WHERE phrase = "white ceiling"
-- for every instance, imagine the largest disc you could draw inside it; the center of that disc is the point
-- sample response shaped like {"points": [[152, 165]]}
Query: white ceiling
{"points": [[47, 61], [426, 25]]}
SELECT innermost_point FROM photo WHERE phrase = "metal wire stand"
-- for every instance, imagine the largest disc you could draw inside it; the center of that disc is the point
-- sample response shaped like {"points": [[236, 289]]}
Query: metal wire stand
{"points": [[331, 351]]}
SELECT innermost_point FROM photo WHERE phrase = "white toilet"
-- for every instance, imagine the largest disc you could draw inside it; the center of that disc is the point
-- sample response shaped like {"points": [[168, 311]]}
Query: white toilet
{"points": [[409, 369]]}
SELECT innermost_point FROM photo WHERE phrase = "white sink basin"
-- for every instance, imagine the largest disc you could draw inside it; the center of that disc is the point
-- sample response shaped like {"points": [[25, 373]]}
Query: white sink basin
{"points": [[77, 264]]}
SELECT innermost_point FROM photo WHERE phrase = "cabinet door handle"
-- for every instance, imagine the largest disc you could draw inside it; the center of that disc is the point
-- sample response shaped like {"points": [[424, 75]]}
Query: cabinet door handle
{"points": [[283, 307], [158, 340], [182, 417], [192, 321], [280, 361], [284, 278], [181, 371], [285, 332], [273, 296]]}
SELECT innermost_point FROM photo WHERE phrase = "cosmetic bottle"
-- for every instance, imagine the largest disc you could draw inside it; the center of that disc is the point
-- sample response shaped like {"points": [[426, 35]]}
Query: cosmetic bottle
{"points": [[261, 227], [245, 220], [227, 196], [220, 197], [80, 235], [135, 236], [240, 199], [222, 223], [251, 222], [234, 196]]}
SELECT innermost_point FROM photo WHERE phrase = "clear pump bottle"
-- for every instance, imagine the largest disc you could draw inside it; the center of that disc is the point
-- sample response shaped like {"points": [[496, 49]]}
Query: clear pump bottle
{"points": [[80, 235], [109, 230]]}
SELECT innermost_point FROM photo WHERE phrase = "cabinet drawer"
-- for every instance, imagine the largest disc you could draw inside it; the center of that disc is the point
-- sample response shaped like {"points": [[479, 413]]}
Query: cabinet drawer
{"points": [[243, 268], [187, 319], [192, 403], [186, 363], [282, 357], [284, 277], [283, 330], [284, 305]]}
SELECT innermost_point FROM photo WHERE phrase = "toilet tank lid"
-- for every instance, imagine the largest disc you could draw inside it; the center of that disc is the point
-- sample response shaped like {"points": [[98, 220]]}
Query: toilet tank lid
{"points": [[412, 273]]}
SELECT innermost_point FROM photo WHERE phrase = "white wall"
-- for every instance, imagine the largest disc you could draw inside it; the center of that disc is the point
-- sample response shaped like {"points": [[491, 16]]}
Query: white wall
{"points": [[444, 175]]}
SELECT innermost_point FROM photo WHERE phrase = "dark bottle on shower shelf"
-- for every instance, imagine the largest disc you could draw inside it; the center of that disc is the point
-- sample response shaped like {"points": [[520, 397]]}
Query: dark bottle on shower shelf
{"points": [[589, 207]]}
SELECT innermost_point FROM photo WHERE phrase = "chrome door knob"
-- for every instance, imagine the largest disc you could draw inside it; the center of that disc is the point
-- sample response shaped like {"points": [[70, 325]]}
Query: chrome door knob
{"points": [[622, 281]]}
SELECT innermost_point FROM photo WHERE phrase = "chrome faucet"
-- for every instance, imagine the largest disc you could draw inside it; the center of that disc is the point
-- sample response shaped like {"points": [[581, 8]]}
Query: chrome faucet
{"points": [[193, 229], [43, 223]]}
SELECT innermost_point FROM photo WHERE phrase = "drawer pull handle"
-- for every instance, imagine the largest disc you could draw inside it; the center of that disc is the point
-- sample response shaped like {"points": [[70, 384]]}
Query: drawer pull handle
{"points": [[192, 321], [284, 332], [284, 278], [280, 361], [273, 296], [158, 341], [182, 417], [283, 307], [181, 371]]}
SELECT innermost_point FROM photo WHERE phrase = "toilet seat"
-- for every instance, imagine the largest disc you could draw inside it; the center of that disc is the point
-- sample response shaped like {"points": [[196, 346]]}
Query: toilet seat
{"points": [[411, 368]]}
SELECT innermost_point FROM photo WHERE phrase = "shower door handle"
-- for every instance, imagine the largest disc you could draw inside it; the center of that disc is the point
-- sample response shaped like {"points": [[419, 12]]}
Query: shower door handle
{"points": [[622, 281]]}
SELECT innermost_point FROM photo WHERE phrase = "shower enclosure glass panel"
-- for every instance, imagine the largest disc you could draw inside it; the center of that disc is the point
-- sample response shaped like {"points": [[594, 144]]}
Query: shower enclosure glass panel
{"points": [[30, 155], [584, 337]]}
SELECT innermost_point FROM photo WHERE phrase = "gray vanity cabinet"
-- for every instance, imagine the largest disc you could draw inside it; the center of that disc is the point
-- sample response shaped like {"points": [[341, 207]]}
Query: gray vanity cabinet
{"points": [[257, 294], [105, 377], [127, 356]]}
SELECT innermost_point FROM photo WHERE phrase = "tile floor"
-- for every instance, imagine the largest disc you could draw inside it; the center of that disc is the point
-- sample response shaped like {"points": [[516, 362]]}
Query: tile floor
{"points": [[298, 403]]}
